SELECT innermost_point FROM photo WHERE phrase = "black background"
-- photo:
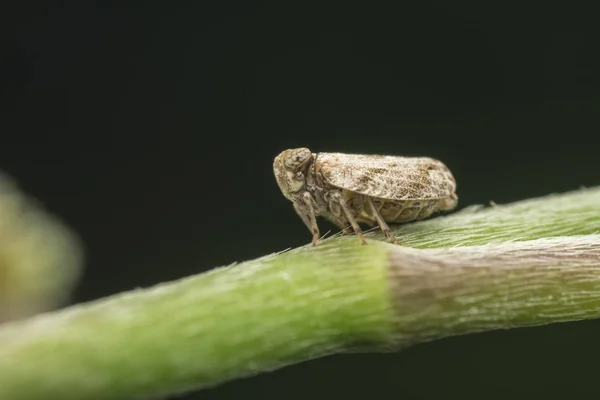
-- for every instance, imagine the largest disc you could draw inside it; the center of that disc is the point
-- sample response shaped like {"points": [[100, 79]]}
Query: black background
{"points": [[151, 131]]}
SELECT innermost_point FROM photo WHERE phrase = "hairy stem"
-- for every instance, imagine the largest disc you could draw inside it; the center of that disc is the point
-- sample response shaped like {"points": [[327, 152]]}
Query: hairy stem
{"points": [[529, 263], [446, 292]]}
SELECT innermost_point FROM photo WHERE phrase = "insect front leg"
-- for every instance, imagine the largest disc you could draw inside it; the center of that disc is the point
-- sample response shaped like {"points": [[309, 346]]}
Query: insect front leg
{"points": [[340, 200], [307, 214], [384, 227], [303, 216]]}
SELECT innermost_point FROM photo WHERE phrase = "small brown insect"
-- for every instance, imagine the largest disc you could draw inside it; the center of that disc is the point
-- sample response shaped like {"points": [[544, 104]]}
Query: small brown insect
{"points": [[351, 188]]}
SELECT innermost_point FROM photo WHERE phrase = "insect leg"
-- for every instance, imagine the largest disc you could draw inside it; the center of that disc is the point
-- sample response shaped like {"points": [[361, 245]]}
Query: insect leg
{"points": [[346, 230], [311, 218], [384, 227], [338, 197], [303, 215], [342, 224]]}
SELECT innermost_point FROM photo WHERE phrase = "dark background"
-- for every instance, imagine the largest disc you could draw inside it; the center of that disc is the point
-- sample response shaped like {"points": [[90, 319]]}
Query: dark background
{"points": [[151, 131]]}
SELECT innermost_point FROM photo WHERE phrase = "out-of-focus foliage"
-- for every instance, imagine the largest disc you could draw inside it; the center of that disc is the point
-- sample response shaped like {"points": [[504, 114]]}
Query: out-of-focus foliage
{"points": [[40, 258]]}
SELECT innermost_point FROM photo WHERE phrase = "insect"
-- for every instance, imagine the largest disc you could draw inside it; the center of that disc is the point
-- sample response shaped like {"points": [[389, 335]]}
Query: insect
{"points": [[348, 189]]}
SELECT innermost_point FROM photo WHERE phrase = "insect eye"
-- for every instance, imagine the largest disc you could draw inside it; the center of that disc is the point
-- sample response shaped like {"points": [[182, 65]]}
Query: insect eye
{"points": [[297, 158]]}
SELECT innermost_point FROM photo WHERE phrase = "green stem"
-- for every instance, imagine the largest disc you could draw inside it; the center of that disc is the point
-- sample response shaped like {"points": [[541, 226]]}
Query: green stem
{"points": [[230, 322], [309, 302]]}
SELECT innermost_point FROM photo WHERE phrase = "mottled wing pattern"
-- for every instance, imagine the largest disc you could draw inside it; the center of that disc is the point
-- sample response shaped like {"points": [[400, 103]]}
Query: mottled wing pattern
{"points": [[387, 177]]}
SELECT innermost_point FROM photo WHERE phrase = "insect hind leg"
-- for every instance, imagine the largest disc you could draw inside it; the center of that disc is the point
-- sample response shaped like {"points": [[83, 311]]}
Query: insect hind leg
{"points": [[382, 224], [340, 200]]}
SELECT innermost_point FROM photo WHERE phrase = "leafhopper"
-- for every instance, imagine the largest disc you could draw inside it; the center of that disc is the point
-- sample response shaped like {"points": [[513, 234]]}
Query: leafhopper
{"points": [[348, 189]]}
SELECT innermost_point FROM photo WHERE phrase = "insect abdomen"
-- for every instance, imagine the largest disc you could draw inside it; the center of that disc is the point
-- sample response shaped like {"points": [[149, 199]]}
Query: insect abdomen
{"points": [[407, 210]]}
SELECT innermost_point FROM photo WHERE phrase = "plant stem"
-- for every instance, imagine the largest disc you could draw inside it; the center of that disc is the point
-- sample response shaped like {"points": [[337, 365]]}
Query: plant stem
{"points": [[339, 296], [230, 322], [445, 292]]}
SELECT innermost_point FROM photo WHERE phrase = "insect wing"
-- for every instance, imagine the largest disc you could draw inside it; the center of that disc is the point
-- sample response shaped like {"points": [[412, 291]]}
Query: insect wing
{"points": [[387, 177]]}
